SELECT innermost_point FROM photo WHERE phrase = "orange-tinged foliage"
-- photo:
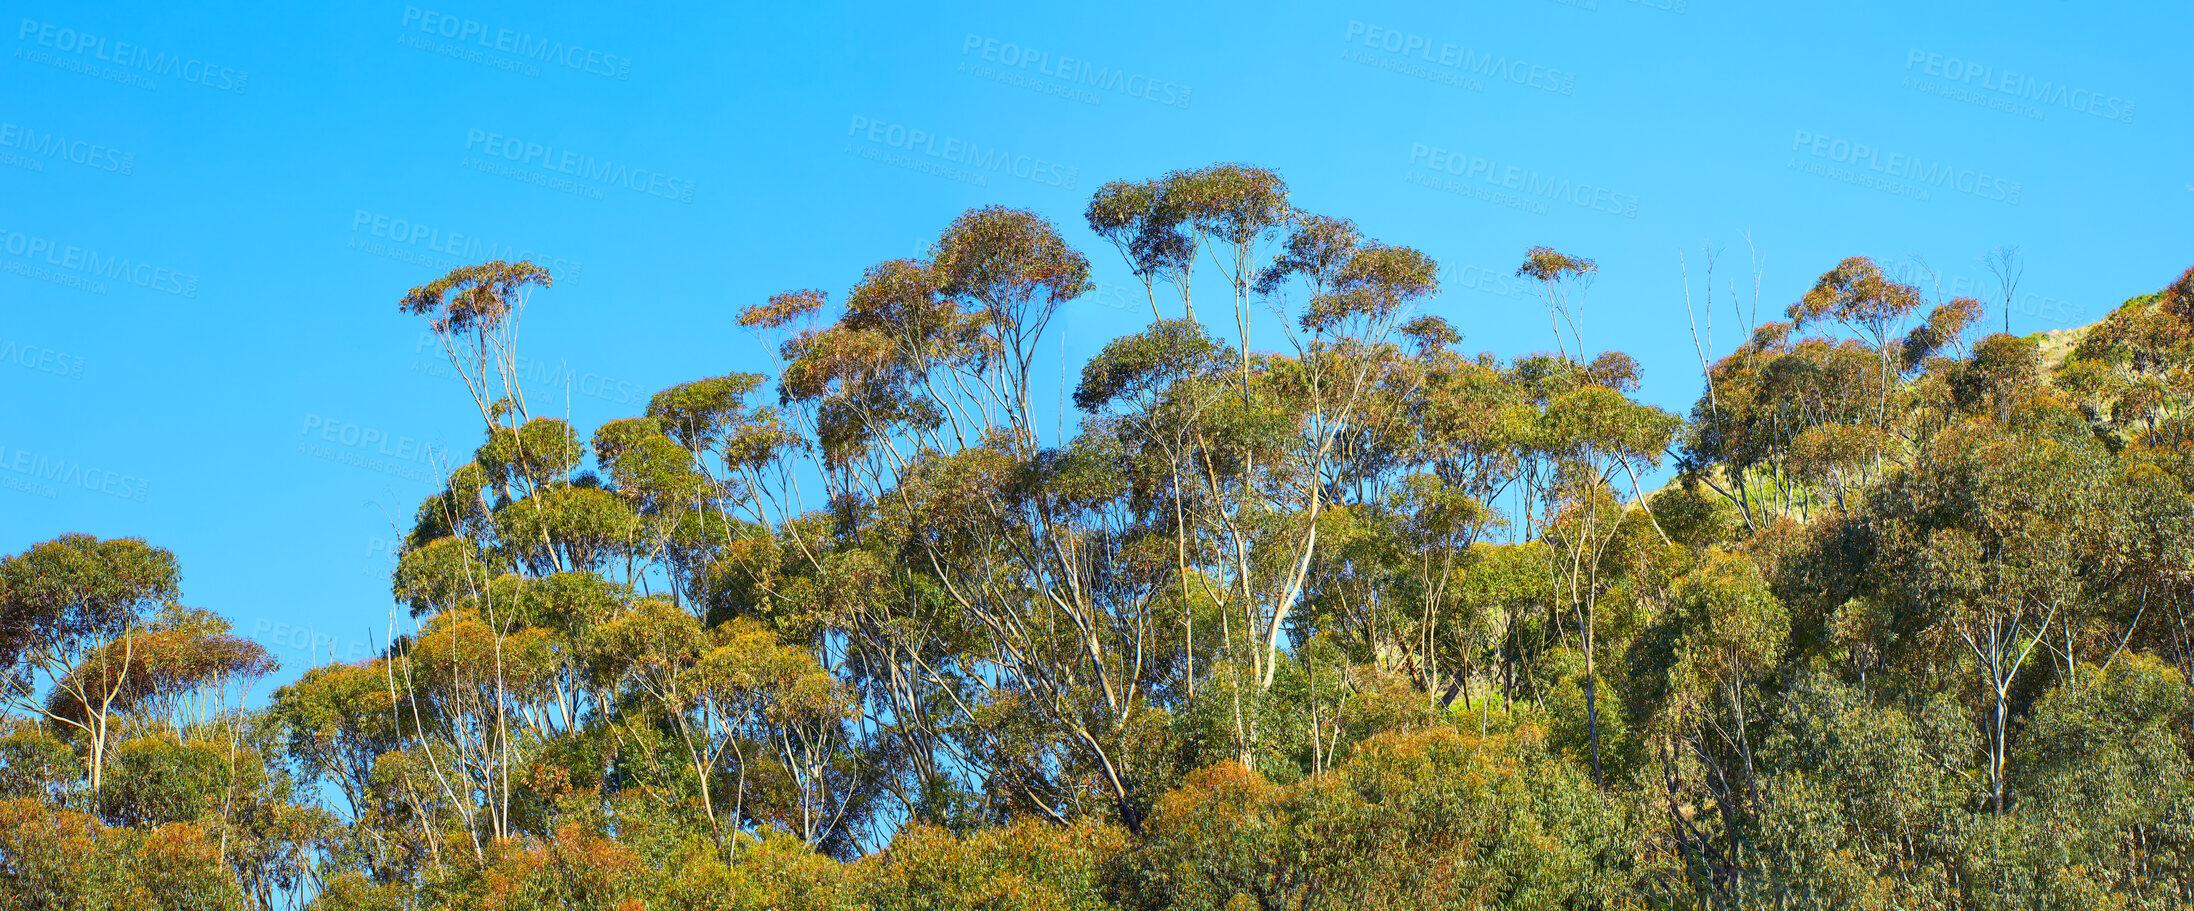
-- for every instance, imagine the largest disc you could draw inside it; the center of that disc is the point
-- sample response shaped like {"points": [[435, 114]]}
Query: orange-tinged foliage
{"points": [[155, 669], [56, 858], [474, 297], [783, 308], [1363, 622], [1029, 865], [575, 869]]}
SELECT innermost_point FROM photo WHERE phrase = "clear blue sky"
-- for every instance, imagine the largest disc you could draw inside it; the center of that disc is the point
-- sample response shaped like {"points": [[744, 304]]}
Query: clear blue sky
{"points": [[207, 213]]}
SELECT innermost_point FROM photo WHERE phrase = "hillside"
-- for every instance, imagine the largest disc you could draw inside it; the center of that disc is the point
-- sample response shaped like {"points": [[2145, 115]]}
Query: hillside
{"points": [[1364, 623]]}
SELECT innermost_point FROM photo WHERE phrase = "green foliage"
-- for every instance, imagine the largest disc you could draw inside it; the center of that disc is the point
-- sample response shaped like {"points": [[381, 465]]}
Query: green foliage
{"points": [[1026, 865], [474, 297], [33, 765], [1430, 818], [74, 592], [58, 858], [536, 452], [1357, 622], [159, 780]]}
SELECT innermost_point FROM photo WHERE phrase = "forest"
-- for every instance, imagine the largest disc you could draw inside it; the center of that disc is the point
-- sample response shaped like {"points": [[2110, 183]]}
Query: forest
{"points": [[1900, 614]]}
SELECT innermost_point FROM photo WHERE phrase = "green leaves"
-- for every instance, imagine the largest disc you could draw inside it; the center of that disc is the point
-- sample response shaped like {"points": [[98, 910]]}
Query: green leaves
{"points": [[567, 526], [1027, 864], [60, 858], [2105, 750], [444, 574], [78, 589], [1857, 294], [1426, 818], [1011, 263], [1233, 203], [699, 413], [1546, 265], [474, 297], [35, 766], [1146, 365], [1377, 282], [1145, 224], [1599, 422], [1318, 248], [1733, 625], [155, 670], [537, 452], [1364, 622]]}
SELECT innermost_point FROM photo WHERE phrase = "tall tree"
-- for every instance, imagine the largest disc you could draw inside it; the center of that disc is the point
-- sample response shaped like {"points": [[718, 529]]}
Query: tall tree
{"points": [[72, 599]]}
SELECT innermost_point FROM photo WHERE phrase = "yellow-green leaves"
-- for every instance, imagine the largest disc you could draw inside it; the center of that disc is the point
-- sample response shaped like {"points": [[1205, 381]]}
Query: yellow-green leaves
{"points": [[1857, 294], [536, 452], [1011, 262], [1733, 626], [78, 589], [474, 297]]}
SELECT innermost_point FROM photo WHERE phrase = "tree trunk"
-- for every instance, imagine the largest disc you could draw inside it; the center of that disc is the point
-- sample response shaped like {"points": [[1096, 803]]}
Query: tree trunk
{"points": [[1592, 728]]}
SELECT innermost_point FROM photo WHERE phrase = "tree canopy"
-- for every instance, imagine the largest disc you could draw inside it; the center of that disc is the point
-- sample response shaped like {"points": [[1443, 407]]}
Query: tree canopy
{"points": [[1306, 608]]}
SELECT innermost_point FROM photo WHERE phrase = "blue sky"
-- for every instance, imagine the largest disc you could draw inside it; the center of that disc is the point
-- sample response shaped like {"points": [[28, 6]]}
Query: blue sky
{"points": [[207, 215]]}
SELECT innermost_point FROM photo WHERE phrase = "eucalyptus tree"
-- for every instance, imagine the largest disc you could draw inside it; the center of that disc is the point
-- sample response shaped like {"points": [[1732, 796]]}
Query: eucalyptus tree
{"points": [[1267, 459], [1909, 629], [496, 566], [1565, 281], [1581, 434], [474, 313], [1982, 548], [1454, 461], [2005, 266], [1874, 307], [1704, 672], [1145, 221], [175, 673], [67, 606], [1305, 442], [1414, 490], [918, 403], [144, 701], [755, 721]]}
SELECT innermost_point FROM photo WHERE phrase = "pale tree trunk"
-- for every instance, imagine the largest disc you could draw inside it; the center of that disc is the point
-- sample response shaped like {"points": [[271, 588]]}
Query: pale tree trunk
{"points": [[1996, 647]]}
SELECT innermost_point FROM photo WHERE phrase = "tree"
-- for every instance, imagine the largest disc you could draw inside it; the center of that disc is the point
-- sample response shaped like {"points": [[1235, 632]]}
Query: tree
{"points": [[72, 599], [1584, 431], [2004, 265], [1309, 612]]}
